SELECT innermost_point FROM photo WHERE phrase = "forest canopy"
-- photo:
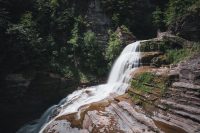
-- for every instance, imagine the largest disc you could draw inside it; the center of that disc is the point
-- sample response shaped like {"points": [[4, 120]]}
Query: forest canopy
{"points": [[53, 35]]}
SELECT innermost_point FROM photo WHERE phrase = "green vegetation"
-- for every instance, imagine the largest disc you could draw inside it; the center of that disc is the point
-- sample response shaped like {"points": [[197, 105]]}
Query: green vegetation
{"points": [[146, 88], [53, 35], [165, 15], [174, 56], [49, 36], [149, 82], [135, 14], [177, 8], [158, 18], [114, 47]]}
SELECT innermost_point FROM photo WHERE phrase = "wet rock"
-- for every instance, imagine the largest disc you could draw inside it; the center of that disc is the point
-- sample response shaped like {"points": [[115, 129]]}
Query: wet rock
{"points": [[63, 126], [147, 58], [178, 108]]}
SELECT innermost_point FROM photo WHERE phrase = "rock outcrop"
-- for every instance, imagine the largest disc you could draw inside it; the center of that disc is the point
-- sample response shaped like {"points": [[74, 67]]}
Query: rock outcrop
{"points": [[178, 105]]}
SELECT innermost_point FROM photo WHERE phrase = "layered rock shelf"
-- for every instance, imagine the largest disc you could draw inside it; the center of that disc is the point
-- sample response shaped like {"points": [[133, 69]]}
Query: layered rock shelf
{"points": [[168, 103]]}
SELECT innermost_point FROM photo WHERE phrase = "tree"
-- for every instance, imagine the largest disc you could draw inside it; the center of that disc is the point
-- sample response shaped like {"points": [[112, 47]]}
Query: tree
{"points": [[114, 47], [176, 8], [158, 17]]}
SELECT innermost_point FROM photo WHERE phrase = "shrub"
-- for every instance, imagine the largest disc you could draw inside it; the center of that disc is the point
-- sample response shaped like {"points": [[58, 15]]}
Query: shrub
{"points": [[114, 47], [176, 8]]}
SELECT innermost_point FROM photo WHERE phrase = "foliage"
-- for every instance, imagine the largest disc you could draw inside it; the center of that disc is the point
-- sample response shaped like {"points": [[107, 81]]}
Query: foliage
{"points": [[114, 47], [135, 14], [176, 55], [147, 82], [158, 17], [144, 78], [176, 8], [52, 35], [93, 54]]}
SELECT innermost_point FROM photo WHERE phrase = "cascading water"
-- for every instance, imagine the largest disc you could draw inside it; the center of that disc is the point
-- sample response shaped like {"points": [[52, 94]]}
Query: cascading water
{"points": [[117, 83]]}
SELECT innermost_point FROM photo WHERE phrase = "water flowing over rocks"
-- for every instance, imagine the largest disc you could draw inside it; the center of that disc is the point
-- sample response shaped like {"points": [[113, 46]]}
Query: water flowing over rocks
{"points": [[176, 111], [167, 104]]}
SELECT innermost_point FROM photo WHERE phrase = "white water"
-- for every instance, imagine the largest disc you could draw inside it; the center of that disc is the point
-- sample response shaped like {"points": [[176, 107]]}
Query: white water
{"points": [[117, 83]]}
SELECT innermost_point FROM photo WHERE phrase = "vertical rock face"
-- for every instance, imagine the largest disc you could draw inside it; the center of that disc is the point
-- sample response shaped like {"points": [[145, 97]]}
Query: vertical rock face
{"points": [[99, 23]]}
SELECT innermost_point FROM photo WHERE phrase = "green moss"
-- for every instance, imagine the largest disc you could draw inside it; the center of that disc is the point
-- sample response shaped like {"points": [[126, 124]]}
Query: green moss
{"points": [[142, 79], [148, 82]]}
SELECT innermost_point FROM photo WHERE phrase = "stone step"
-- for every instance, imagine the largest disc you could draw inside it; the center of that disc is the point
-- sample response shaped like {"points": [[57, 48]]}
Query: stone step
{"points": [[185, 90], [188, 86], [187, 115], [181, 107], [188, 125], [138, 121], [182, 95]]}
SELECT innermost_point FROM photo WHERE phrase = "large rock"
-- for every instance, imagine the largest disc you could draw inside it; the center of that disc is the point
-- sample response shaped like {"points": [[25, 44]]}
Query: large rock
{"points": [[112, 117]]}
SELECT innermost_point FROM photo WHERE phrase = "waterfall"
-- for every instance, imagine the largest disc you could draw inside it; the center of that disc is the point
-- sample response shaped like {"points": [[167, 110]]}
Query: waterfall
{"points": [[117, 83]]}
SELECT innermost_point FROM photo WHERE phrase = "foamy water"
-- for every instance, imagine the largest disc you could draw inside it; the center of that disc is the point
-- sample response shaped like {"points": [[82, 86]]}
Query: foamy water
{"points": [[117, 83]]}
